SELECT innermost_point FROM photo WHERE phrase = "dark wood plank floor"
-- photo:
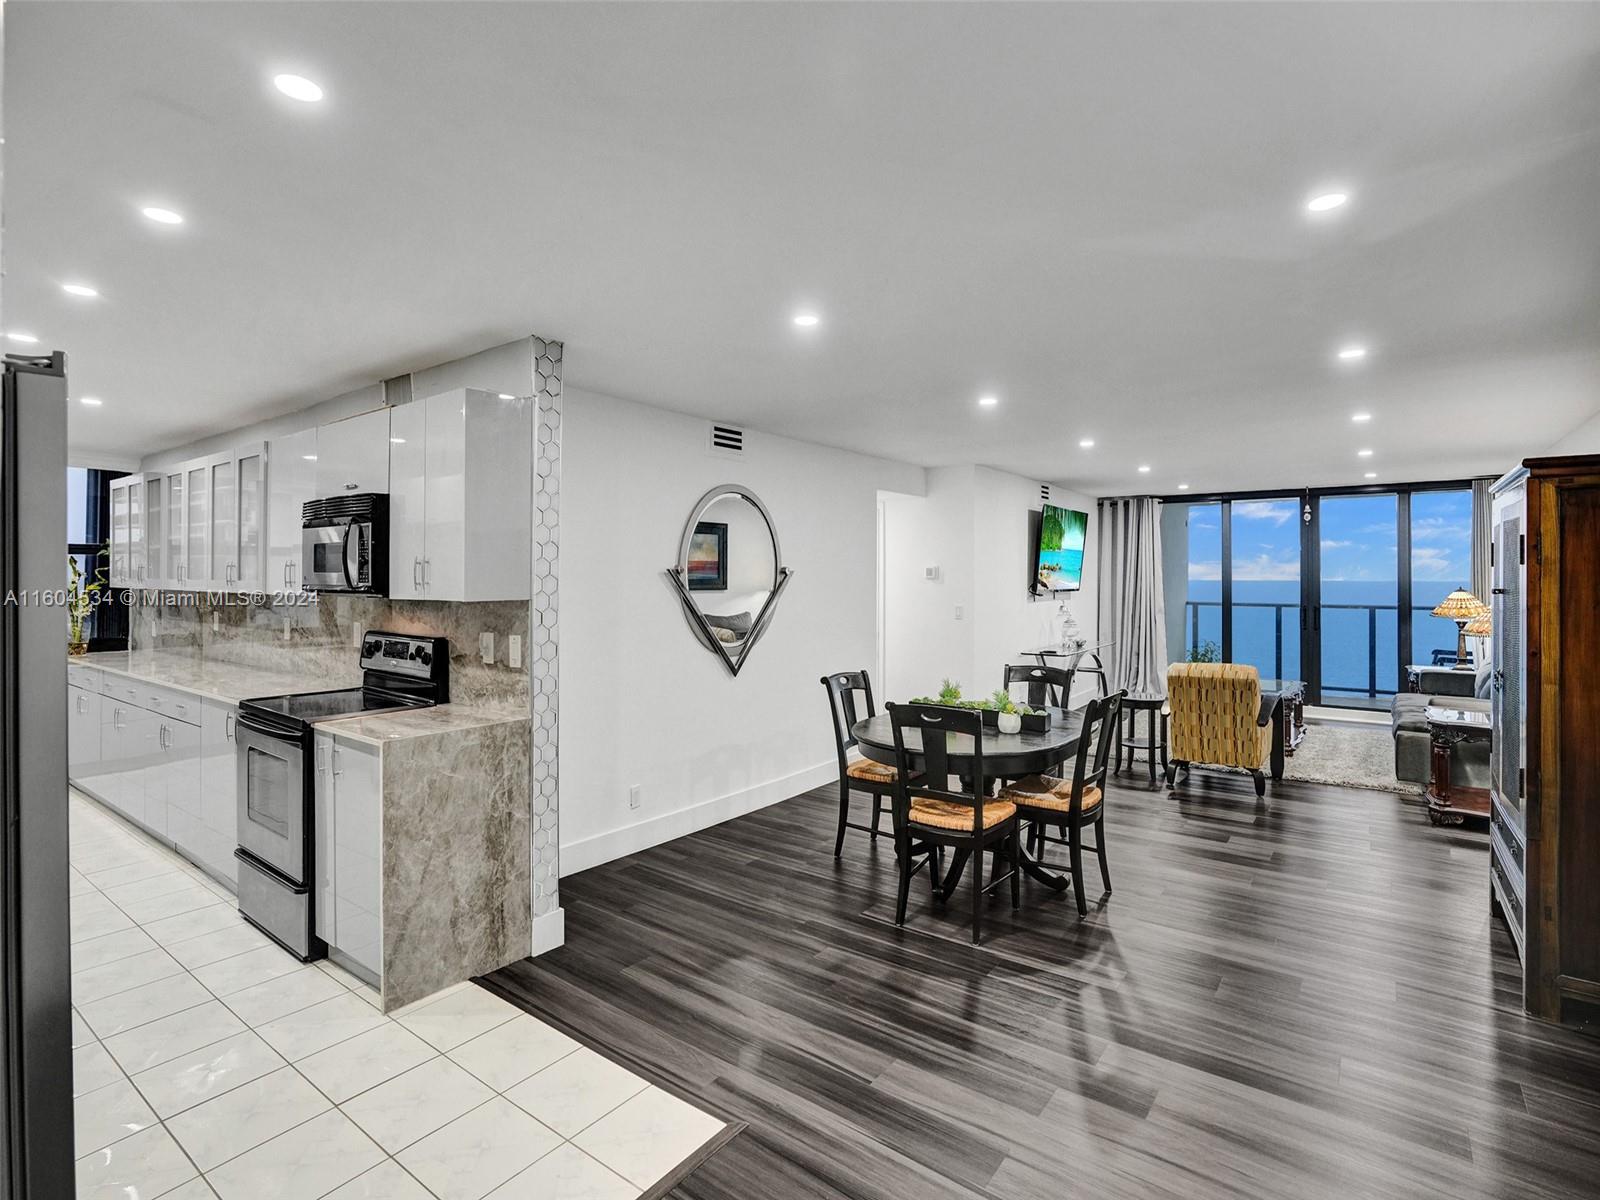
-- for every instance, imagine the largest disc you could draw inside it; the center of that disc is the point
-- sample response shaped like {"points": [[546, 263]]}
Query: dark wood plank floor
{"points": [[1302, 999]]}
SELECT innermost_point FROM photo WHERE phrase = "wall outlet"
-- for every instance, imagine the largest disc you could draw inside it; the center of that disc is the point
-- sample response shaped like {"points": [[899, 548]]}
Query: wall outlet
{"points": [[486, 647], [355, 635], [514, 649], [216, 622], [288, 626], [931, 574], [961, 612], [633, 796]]}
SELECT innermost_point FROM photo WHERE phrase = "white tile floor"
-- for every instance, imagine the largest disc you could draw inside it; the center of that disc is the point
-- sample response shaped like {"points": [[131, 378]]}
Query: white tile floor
{"points": [[209, 1063]]}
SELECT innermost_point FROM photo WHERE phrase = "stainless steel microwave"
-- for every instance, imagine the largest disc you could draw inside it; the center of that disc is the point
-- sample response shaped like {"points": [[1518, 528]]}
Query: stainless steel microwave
{"points": [[344, 544]]}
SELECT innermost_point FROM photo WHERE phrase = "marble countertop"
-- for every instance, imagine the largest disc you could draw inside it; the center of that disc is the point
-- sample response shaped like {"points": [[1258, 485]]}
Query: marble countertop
{"points": [[230, 683]]}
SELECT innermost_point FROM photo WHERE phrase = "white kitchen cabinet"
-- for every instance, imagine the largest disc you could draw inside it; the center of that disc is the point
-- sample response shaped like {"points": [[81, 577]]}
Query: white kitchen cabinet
{"points": [[131, 749], [83, 733], [137, 567], [173, 517], [250, 479], [222, 508], [408, 436], [172, 785], [197, 524], [291, 481], [218, 813], [119, 573], [347, 881], [459, 501], [153, 574], [353, 455]]}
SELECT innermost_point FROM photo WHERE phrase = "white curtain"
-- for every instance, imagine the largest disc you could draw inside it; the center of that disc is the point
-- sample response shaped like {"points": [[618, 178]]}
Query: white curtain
{"points": [[1132, 607], [1480, 539]]}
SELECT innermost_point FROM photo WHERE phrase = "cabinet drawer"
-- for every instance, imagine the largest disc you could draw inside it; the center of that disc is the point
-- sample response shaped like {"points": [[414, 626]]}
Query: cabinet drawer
{"points": [[170, 702], [121, 688], [87, 678]]}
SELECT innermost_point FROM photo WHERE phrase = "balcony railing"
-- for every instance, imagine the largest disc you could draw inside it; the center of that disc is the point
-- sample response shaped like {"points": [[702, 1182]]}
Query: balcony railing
{"points": [[1289, 628]]}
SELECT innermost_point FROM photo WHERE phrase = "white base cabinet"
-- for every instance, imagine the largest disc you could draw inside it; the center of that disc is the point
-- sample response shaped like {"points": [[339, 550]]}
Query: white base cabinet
{"points": [[348, 888], [161, 757]]}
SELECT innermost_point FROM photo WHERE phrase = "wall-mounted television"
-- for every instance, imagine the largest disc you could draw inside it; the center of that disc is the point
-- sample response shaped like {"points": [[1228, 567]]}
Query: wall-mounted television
{"points": [[1058, 550]]}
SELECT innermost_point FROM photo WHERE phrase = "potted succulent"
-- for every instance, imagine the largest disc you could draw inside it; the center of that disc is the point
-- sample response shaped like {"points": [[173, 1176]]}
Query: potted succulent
{"points": [[1000, 711], [1008, 715], [82, 595]]}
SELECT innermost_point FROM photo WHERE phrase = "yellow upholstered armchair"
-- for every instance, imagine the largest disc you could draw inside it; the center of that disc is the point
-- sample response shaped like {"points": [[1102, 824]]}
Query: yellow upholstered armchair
{"points": [[1218, 719]]}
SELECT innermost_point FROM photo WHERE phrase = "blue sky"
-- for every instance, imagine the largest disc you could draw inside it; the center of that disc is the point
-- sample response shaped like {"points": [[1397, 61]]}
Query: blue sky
{"points": [[1358, 539]]}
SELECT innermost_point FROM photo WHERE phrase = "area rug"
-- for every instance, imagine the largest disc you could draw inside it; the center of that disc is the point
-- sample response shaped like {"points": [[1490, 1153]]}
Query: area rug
{"points": [[1354, 755]]}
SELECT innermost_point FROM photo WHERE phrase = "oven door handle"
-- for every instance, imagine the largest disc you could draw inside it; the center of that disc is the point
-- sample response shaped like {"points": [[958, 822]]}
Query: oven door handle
{"points": [[246, 721], [344, 554]]}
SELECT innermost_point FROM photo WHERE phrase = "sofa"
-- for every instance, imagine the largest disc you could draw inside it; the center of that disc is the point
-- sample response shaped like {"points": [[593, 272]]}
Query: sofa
{"points": [[1413, 749]]}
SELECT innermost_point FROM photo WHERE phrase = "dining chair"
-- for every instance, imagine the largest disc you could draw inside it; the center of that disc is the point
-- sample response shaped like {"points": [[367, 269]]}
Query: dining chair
{"points": [[1072, 805], [929, 815], [861, 774], [1048, 687]]}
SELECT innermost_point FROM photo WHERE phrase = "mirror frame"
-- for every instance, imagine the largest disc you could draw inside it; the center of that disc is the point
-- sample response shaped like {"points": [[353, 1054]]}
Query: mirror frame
{"points": [[678, 578]]}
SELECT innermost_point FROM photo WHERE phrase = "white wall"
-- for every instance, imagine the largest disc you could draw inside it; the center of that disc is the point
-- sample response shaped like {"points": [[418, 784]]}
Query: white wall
{"points": [[642, 702], [973, 524], [1585, 439]]}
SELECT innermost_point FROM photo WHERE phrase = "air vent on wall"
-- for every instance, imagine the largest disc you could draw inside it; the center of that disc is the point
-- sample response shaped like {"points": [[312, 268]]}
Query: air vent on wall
{"points": [[727, 441], [1044, 493]]}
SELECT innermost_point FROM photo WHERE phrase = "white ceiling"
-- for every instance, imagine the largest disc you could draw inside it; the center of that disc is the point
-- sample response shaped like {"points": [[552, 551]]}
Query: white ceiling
{"points": [[1094, 211]]}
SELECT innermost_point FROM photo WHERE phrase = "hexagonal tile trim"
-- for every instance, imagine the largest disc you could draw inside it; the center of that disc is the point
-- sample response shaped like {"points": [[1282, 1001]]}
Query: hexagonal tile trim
{"points": [[544, 635]]}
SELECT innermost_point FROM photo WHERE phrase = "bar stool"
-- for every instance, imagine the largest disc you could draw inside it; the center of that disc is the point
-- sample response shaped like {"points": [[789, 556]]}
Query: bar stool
{"points": [[1128, 741]]}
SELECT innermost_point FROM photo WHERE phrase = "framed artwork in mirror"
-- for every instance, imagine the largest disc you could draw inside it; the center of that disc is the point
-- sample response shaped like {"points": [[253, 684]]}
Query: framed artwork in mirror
{"points": [[708, 557]]}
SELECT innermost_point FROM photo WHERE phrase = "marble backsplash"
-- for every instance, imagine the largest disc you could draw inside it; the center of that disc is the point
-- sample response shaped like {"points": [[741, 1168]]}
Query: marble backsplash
{"points": [[316, 637]]}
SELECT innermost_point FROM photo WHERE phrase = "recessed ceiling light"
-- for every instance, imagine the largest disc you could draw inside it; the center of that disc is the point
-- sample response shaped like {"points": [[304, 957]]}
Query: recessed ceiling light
{"points": [[91, 401], [309, 457], [1371, 475], [22, 337], [1354, 352], [1086, 443], [398, 441], [1360, 418], [79, 289], [162, 216], [1183, 487], [1363, 453], [507, 396], [988, 401], [1327, 201], [806, 319], [1144, 469], [297, 87]]}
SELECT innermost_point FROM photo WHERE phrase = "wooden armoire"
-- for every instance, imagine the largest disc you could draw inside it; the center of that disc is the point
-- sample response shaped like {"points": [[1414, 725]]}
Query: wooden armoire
{"points": [[1545, 824]]}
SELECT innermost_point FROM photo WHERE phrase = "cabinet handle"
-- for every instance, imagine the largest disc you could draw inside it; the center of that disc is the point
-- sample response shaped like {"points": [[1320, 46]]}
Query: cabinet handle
{"points": [[227, 726], [427, 571], [183, 708], [416, 572], [349, 487], [322, 755], [337, 770], [116, 718]]}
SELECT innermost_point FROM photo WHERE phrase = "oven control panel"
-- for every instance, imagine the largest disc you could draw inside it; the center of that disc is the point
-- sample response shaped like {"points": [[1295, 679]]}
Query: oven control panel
{"points": [[404, 654]]}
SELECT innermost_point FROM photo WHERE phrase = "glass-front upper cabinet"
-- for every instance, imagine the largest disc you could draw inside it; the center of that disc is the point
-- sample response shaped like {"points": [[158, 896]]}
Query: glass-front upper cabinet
{"points": [[197, 526], [224, 507], [154, 543], [250, 478], [120, 576], [136, 563], [172, 528]]}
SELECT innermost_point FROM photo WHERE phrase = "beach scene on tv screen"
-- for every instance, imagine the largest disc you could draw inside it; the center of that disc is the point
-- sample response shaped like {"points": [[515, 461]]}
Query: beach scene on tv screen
{"points": [[1061, 538]]}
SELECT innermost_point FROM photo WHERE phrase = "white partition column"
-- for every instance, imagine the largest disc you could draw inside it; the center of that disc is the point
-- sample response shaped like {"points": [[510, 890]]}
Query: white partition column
{"points": [[544, 649]]}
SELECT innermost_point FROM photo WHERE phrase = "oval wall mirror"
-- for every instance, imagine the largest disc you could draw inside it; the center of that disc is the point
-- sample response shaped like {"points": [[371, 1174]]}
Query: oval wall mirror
{"points": [[729, 572]]}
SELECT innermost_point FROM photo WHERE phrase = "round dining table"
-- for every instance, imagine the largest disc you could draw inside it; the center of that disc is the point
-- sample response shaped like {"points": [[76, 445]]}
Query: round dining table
{"points": [[1005, 756]]}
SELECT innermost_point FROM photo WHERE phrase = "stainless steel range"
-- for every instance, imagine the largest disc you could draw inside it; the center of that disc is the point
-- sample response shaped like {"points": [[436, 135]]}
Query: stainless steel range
{"points": [[276, 795]]}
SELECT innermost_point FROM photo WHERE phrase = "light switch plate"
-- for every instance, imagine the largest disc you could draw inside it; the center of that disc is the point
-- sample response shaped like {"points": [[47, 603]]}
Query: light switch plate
{"points": [[961, 611], [514, 649], [633, 796], [486, 647]]}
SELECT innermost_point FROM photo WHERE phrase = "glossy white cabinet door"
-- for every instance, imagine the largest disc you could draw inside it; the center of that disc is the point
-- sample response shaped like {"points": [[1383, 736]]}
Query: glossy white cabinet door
{"points": [[137, 567], [291, 481], [223, 507], [176, 786], [358, 854], [250, 478], [172, 526], [83, 735], [197, 525], [218, 814], [408, 491], [353, 455], [118, 574], [444, 560], [155, 541]]}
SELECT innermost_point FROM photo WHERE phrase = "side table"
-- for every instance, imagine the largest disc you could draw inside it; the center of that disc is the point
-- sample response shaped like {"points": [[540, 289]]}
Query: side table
{"points": [[1451, 804], [1128, 742]]}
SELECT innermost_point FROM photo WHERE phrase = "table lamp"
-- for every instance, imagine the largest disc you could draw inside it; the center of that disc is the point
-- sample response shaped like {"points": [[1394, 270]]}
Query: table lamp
{"points": [[1461, 606]]}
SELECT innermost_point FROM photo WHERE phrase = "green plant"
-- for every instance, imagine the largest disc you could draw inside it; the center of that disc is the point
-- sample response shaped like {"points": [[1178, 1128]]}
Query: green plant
{"points": [[950, 693], [81, 597], [1207, 651]]}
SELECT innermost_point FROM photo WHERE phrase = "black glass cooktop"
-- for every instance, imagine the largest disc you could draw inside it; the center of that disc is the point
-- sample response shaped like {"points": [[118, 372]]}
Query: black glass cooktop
{"points": [[321, 706]]}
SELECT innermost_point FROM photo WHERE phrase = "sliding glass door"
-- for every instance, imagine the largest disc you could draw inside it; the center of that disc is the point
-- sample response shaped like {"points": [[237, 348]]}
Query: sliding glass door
{"points": [[1332, 587], [1357, 622]]}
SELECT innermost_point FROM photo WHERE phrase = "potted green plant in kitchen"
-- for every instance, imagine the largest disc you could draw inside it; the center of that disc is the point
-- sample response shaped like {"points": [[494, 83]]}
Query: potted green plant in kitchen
{"points": [[1008, 717], [83, 594]]}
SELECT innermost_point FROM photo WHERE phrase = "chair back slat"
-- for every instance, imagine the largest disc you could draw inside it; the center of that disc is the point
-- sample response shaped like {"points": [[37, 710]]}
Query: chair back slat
{"points": [[1048, 687], [1095, 739], [935, 726], [844, 688]]}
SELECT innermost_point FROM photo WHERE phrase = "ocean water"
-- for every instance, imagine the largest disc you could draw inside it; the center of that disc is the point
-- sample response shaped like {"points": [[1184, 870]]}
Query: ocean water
{"points": [[1269, 636]]}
